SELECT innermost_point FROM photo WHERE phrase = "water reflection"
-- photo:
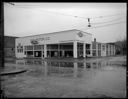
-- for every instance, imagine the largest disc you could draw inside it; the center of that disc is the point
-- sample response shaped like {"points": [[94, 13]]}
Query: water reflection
{"points": [[67, 69], [10, 60], [20, 62], [105, 77]]}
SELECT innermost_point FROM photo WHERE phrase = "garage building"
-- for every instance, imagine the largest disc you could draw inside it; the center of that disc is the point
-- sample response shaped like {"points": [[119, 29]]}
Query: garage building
{"points": [[70, 43]]}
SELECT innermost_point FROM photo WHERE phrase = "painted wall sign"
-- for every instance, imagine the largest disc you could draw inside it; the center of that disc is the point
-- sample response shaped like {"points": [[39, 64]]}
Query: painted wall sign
{"points": [[35, 41], [44, 38]]}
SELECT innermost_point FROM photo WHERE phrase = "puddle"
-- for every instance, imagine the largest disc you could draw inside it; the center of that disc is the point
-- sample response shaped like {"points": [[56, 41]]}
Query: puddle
{"points": [[107, 77], [69, 68]]}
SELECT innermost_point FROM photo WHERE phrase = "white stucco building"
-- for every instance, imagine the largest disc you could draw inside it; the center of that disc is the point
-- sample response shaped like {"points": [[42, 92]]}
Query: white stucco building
{"points": [[103, 49], [71, 43]]}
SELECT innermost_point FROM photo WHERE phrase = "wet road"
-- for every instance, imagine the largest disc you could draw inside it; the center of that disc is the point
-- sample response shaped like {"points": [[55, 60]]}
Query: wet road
{"points": [[59, 78]]}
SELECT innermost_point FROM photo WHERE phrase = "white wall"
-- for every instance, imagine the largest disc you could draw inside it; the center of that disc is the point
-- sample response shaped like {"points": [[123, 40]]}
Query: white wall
{"points": [[53, 38]]}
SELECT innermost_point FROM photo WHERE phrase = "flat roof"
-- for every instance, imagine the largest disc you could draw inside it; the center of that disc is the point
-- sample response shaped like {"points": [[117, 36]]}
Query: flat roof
{"points": [[55, 33], [111, 43], [10, 36]]}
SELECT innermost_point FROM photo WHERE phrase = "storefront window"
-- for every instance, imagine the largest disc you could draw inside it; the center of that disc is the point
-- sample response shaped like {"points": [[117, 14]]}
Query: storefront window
{"points": [[29, 47], [37, 47]]}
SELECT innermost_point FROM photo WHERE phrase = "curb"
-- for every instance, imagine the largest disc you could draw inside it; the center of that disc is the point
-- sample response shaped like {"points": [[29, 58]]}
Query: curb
{"points": [[12, 73]]}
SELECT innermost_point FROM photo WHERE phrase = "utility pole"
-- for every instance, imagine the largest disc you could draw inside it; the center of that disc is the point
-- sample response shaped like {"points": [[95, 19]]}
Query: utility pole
{"points": [[2, 33], [2, 44], [2, 36]]}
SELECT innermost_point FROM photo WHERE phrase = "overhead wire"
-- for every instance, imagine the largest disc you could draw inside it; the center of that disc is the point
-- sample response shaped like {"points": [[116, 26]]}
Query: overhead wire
{"points": [[106, 25], [117, 19], [31, 6], [28, 6], [107, 16]]}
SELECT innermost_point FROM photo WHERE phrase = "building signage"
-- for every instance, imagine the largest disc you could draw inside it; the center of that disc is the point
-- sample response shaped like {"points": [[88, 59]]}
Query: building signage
{"points": [[80, 34], [35, 41]]}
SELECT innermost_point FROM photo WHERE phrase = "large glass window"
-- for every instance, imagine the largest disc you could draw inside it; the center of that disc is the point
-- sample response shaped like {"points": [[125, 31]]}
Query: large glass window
{"points": [[37, 47], [30, 47]]}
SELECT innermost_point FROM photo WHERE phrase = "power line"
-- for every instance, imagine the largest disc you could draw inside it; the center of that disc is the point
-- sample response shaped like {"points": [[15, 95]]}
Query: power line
{"points": [[88, 19], [28, 6], [108, 16], [107, 25], [104, 25], [55, 12], [107, 21]]}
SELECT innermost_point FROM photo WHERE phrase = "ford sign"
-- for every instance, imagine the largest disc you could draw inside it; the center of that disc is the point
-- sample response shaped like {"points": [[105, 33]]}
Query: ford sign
{"points": [[80, 34], [34, 42]]}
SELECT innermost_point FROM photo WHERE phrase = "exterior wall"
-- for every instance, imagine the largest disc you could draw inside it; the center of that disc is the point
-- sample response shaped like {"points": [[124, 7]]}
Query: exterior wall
{"points": [[50, 38], [110, 50], [9, 46], [99, 49], [53, 38], [96, 49], [9, 52], [87, 38]]}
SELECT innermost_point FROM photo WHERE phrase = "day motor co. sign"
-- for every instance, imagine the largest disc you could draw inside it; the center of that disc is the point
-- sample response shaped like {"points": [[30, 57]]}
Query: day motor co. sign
{"points": [[36, 41]]}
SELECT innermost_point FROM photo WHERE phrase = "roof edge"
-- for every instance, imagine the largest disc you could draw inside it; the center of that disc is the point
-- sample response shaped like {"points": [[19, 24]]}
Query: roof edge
{"points": [[55, 33]]}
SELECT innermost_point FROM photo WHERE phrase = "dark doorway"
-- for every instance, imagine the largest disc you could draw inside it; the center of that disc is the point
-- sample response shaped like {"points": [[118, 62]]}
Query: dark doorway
{"points": [[29, 53]]}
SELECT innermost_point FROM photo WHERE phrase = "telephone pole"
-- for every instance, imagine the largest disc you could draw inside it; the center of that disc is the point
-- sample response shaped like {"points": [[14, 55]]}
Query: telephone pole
{"points": [[2, 33]]}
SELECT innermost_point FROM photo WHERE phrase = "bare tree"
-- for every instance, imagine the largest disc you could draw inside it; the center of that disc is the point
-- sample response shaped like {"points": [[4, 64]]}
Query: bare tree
{"points": [[121, 46]]}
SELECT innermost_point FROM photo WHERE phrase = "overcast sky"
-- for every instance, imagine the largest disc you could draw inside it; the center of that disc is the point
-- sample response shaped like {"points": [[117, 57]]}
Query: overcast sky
{"points": [[108, 20]]}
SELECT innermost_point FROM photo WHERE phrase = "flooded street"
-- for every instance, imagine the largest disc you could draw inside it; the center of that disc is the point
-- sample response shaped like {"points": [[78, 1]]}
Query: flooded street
{"points": [[104, 77]]}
